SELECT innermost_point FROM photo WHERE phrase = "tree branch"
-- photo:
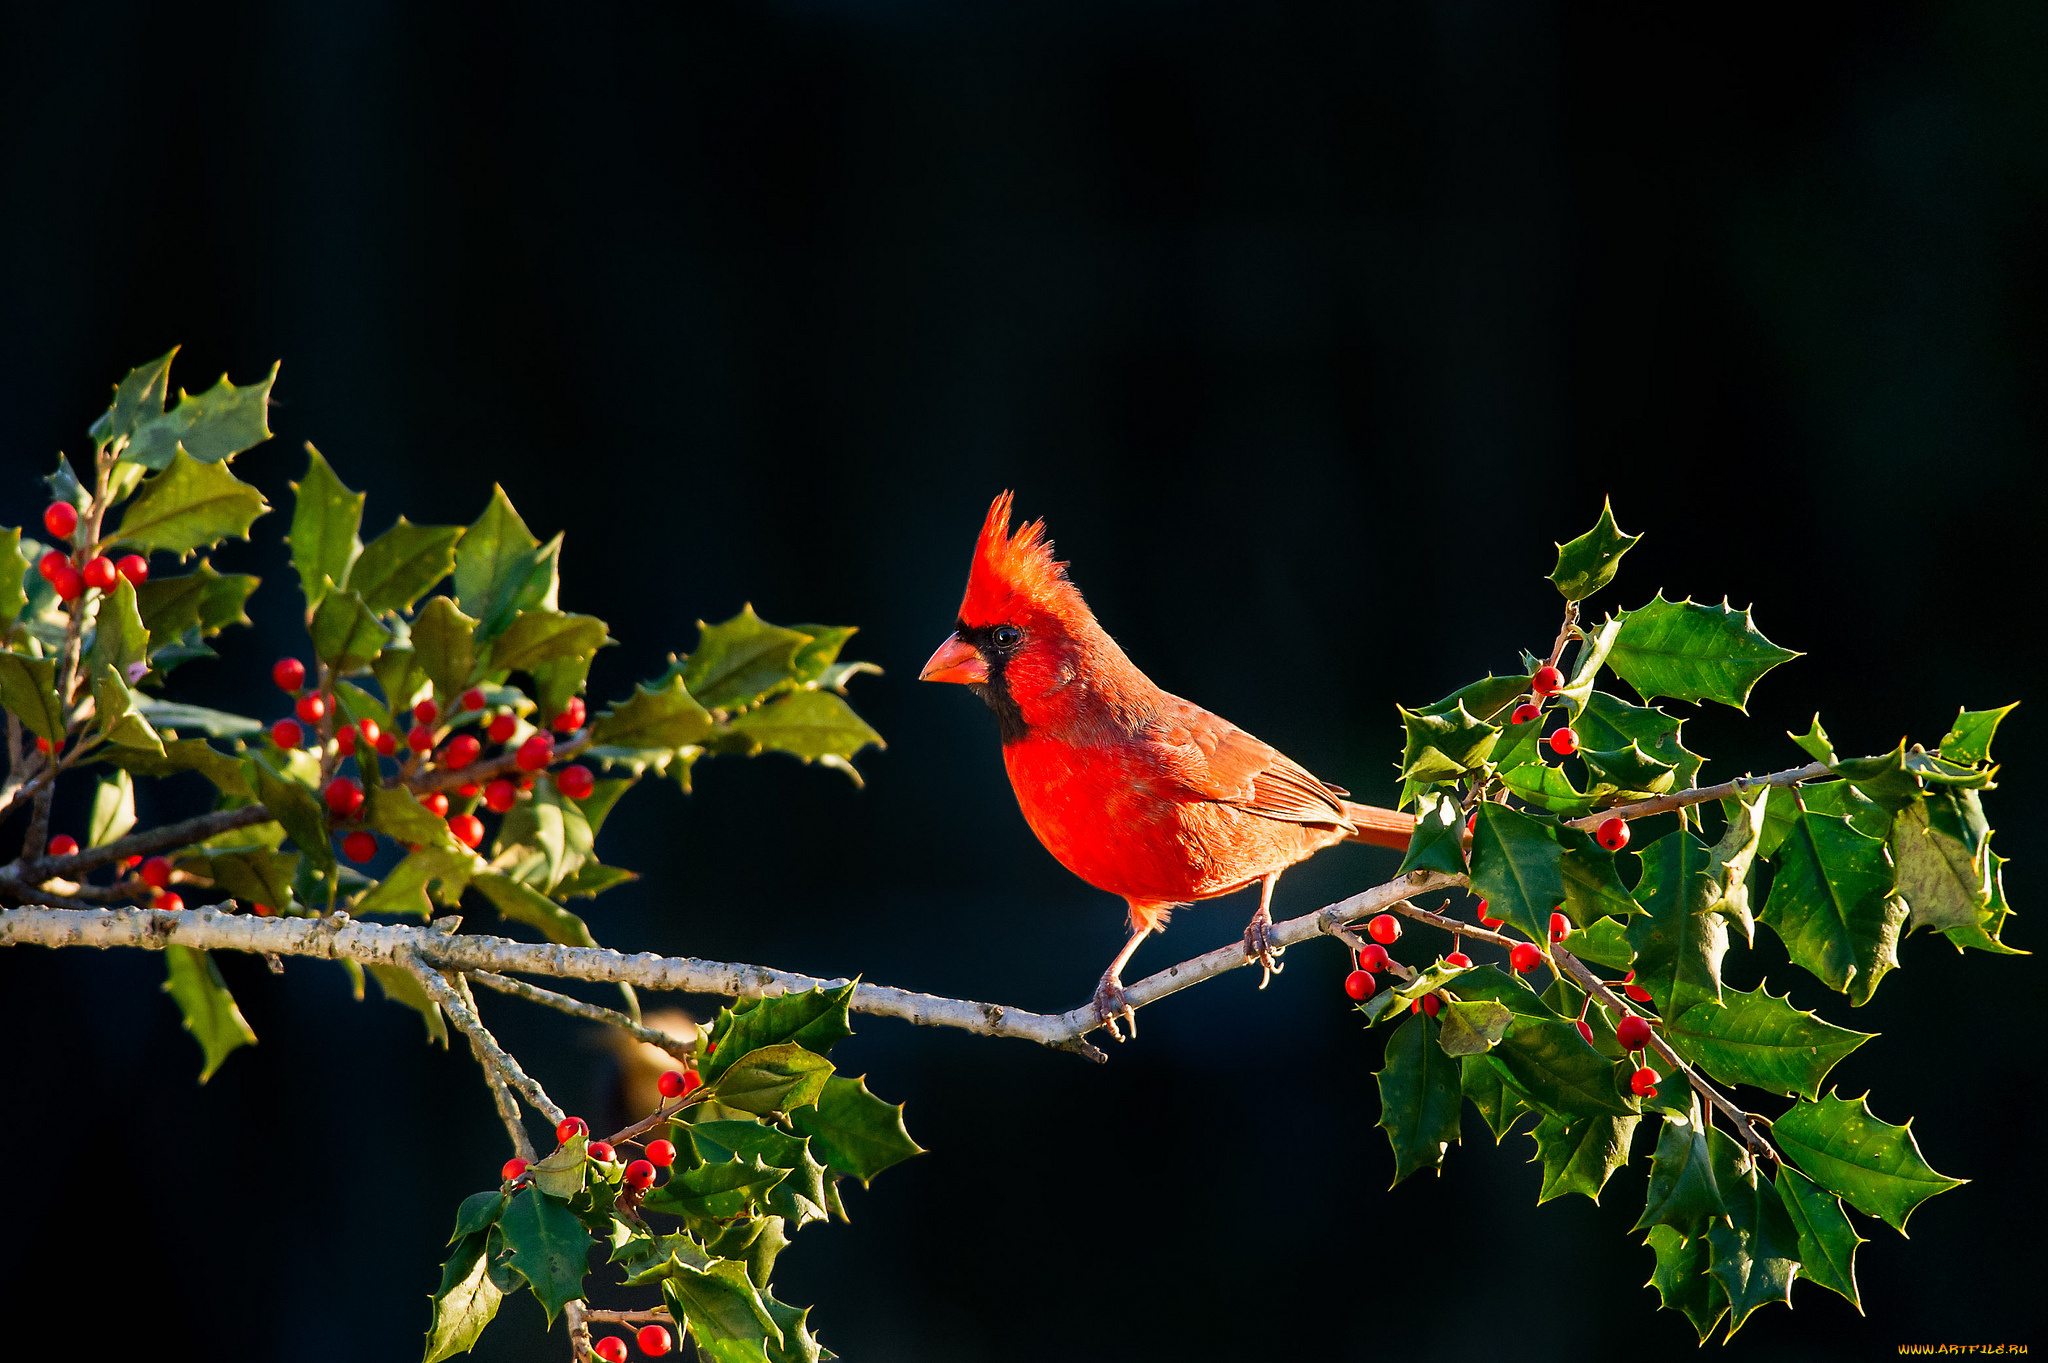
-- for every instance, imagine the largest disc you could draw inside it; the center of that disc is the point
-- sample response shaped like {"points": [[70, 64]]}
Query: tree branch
{"points": [[480, 1038], [1699, 795], [28, 872], [681, 1050]]}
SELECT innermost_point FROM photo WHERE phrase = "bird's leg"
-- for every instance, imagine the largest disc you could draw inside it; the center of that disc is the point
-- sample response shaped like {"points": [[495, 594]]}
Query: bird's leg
{"points": [[1110, 1002], [1258, 938]]}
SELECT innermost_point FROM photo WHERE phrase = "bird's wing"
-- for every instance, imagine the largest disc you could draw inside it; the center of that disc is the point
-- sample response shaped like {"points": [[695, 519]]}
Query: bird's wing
{"points": [[1213, 759]]}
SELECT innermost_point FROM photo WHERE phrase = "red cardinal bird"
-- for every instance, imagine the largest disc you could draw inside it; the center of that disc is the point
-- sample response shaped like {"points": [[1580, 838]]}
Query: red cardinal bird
{"points": [[1136, 791]]}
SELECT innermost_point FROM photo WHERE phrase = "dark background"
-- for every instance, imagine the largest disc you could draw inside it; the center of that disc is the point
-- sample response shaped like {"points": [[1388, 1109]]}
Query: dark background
{"points": [[1308, 327]]}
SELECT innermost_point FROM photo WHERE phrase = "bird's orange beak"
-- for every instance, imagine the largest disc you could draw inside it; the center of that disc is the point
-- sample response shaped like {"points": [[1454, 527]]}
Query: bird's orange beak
{"points": [[956, 661]]}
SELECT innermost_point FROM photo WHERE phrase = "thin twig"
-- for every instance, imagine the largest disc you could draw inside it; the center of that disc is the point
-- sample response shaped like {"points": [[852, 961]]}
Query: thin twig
{"points": [[657, 1316], [590, 1012], [1699, 795], [578, 1317], [31, 871], [464, 1017]]}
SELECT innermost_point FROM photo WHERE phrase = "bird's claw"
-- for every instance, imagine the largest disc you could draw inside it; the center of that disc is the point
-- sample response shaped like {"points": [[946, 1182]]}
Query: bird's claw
{"points": [[1258, 945], [1111, 1003]]}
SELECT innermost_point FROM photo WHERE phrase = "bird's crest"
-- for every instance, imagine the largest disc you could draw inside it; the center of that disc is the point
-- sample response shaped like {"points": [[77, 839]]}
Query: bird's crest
{"points": [[1012, 571]]}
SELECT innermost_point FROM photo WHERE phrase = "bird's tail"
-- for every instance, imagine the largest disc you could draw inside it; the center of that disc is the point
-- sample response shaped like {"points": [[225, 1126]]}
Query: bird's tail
{"points": [[1379, 827]]}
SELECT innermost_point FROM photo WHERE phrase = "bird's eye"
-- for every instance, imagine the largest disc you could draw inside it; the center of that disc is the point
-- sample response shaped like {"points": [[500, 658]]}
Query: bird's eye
{"points": [[1006, 636]]}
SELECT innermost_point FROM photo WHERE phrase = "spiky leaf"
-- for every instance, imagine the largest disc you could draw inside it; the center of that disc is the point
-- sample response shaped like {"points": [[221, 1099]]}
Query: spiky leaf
{"points": [[1689, 651], [189, 506], [1419, 1097], [210, 1013], [403, 564], [1587, 564], [1831, 903], [1871, 1165]]}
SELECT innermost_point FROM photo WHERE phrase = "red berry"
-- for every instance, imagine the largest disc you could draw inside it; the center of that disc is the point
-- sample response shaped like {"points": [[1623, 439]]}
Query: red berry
{"points": [[387, 744], [287, 734], [1525, 957], [421, 739], [1629, 978], [69, 582], [1471, 822], [1585, 1030], [1385, 929], [670, 1084], [1458, 960], [426, 712], [654, 1340], [461, 751], [156, 872], [288, 673], [692, 1081], [611, 1349], [1612, 834], [1564, 742], [134, 567], [1632, 1032], [311, 709], [514, 1168], [101, 574], [359, 846], [369, 732], [1547, 681], [639, 1173], [1637, 993], [1525, 712], [575, 781], [500, 795], [1373, 956], [502, 727], [571, 717], [1560, 927], [1644, 1081], [167, 901], [1428, 1003], [601, 1152], [661, 1154], [50, 562], [345, 739], [60, 519], [42, 745], [436, 804], [344, 796], [261, 910], [467, 828], [467, 790], [473, 698], [63, 845], [536, 752], [131, 862], [1359, 984], [569, 1128]]}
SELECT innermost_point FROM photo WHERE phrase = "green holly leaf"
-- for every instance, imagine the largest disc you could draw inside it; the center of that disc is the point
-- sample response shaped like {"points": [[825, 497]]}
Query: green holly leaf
{"points": [[742, 660], [347, 635], [855, 1133], [1517, 866], [443, 645], [717, 1191], [548, 1245], [1683, 1280], [1683, 1194], [524, 904], [1605, 942], [210, 429], [1438, 841], [811, 725], [1755, 1255], [720, 1305], [1607, 722], [202, 599], [255, 875], [1419, 1097], [1680, 944], [1831, 903], [115, 712], [1815, 743], [1444, 746], [1557, 1072], [591, 880], [400, 674], [1761, 1040], [189, 506], [404, 889], [401, 986], [1836, 799], [1688, 651], [401, 565], [113, 810], [1871, 1165], [555, 682], [325, 519], [657, 716], [1885, 778], [465, 1302], [1547, 788], [358, 705], [210, 1013], [768, 1079], [1483, 699], [1580, 1156], [1472, 1028], [1587, 564], [1985, 936], [297, 809], [815, 1019], [1940, 870], [543, 636], [13, 567], [137, 398], [798, 1199], [1592, 882], [1497, 1099], [1968, 740], [500, 568], [187, 754], [735, 1351], [169, 715], [28, 689], [1587, 660], [1827, 1242], [119, 639], [1627, 771], [1731, 858]]}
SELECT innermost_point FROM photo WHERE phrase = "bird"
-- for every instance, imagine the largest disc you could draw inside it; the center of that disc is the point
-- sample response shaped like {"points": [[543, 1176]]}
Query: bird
{"points": [[1138, 792]]}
